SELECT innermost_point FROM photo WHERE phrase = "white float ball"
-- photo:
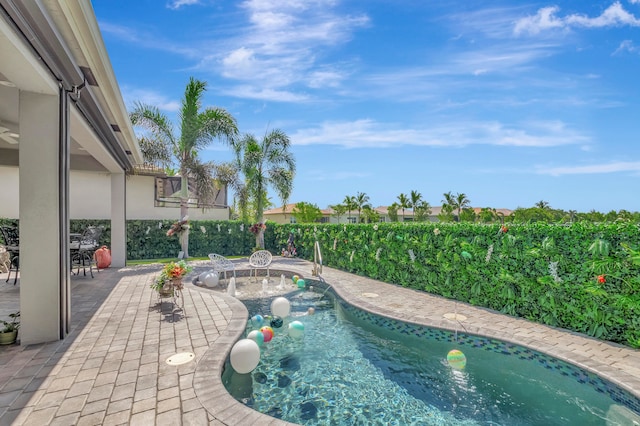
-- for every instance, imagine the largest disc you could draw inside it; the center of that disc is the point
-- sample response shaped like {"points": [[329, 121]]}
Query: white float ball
{"points": [[245, 356], [280, 307], [296, 329], [211, 279]]}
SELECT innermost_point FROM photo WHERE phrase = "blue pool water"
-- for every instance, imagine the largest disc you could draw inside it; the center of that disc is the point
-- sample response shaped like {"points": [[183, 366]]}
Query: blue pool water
{"points": [[352, 367]]}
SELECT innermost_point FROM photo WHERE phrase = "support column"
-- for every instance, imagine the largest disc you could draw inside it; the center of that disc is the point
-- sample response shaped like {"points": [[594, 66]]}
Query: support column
{"points": [[118, 220], [44, 171]]}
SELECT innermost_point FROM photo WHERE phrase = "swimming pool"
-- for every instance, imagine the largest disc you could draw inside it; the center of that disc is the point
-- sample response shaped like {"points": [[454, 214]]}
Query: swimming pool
{"points": [[353, 367]]}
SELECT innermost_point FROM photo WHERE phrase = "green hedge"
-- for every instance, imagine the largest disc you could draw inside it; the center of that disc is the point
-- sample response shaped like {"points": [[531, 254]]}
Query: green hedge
{"points": [[147, 239], [545, 273]]}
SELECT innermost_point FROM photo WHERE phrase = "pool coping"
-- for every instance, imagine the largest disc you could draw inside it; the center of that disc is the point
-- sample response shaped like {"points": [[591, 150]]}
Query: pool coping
{"points": [[622, 366]]}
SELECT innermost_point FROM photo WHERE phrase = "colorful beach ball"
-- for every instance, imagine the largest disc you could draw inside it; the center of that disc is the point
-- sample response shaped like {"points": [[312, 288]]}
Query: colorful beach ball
{"points": [[257, 320], [295, 278], [456, 359], [267, 333], [256, 336], [296, 329], [300, 283]]}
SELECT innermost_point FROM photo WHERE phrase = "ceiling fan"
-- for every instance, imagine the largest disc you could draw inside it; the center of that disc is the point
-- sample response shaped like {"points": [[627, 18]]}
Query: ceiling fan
{"points": [[9, 136]]}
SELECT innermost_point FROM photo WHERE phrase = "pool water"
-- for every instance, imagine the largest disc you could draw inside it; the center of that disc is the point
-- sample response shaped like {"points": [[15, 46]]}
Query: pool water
{"points": [[346, 370]]}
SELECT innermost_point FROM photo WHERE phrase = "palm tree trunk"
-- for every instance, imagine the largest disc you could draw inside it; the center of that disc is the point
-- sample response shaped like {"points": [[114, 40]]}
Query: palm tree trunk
{"points": [[184, 212]]}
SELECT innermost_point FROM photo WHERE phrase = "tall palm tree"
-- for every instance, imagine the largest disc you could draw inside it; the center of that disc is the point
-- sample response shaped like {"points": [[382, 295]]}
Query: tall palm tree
{"points": [[448, 205], [542, 204], [198, 129], [404, 203], [265, 164], [350, 204], [461, 202], [361, 200], [415, 197]]}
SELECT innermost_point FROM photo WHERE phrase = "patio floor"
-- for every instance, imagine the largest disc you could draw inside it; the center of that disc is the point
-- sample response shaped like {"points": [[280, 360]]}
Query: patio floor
{"points": [[111, 368]]}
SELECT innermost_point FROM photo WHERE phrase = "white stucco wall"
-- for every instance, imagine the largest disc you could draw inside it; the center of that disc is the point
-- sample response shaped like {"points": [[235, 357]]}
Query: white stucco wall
{"points": [[140, 194], [90, 194]]}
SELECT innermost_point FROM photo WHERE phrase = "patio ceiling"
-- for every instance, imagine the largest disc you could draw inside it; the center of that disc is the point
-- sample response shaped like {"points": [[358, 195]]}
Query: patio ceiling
{"points": [[50, 42]]}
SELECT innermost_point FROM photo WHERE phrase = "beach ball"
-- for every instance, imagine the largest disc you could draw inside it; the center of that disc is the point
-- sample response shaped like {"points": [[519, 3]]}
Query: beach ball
{"points": [[296, 329], [256, 336], [300, 283], [280, 307], [295, 278], [276, 322], [257, 320], [267, 332], [245, 356], [210, 278], [456, 359]]}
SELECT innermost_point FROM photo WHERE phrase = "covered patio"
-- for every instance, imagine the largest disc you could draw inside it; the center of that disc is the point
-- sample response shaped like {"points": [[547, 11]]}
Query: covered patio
{"points": [[60, 110]]}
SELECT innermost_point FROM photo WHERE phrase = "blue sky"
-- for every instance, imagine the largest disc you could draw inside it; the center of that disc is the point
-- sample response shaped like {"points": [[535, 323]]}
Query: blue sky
{"points": [[508, 102]]}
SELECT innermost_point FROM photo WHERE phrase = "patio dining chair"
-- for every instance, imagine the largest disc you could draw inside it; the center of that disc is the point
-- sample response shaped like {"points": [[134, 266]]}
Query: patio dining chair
{"points": [[260, 259], [221, 265], [12, 245], [83, 249]]}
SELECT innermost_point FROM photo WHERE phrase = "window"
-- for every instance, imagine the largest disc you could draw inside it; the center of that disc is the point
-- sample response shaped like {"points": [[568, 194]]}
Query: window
{"points": [[167, 193], [352, 220], [292, 219], [324, 219]]}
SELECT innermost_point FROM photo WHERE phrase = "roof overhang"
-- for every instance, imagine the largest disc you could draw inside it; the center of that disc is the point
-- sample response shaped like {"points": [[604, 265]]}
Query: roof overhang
{"points": [[56, 43]]}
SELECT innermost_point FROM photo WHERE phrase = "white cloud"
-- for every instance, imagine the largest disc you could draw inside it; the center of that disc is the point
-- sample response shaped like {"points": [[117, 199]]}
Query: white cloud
{"points": [[283, 43], [627, 46], [131, 96], [543, 20], [622, 166], [266, 94], [177, 4], [546, 19], [367, 133]]}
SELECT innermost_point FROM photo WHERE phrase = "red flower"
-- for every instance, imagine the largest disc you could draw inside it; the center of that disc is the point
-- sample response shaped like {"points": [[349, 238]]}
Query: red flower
{"points": [[504, 229], [601, 279]]}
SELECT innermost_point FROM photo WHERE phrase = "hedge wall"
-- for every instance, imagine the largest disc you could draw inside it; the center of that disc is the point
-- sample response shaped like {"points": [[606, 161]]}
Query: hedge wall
{"points": [[584, 277]]}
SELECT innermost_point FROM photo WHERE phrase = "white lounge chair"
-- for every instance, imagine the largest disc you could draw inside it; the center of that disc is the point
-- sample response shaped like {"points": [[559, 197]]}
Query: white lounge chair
{"points": [[261, 259]]}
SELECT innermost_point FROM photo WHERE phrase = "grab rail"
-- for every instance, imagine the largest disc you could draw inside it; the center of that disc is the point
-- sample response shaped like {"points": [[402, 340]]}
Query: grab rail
{"points": [[317, 260]]}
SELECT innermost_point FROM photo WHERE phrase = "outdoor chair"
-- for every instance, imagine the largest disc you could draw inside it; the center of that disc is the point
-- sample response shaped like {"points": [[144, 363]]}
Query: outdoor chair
{"points": [[12, 245], [260, 259], [83, 249], [221, 265], [5, 259]]}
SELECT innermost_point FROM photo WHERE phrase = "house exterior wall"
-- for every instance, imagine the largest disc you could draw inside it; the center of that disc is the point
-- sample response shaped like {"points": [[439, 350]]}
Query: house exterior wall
{"points": [[90, 198]]}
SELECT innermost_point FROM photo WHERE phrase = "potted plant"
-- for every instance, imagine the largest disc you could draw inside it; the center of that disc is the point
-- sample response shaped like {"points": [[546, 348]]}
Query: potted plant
{"points": [[9, 332], [170, 278]]}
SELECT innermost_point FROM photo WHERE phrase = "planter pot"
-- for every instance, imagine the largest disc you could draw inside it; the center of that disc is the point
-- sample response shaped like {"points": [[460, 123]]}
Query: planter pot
{"points": [[166, 290], [9, 337]]}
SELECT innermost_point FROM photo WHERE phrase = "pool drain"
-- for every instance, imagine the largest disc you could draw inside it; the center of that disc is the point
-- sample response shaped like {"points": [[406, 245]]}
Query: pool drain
{"points": [[181, 358]]}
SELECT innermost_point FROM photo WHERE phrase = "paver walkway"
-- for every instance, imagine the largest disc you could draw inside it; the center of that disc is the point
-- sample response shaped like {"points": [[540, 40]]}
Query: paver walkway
{"points": [[111, 369]]}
